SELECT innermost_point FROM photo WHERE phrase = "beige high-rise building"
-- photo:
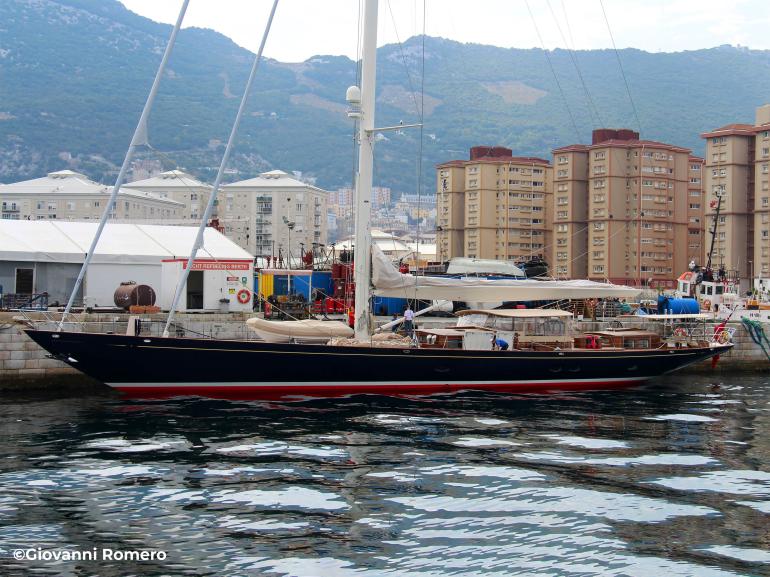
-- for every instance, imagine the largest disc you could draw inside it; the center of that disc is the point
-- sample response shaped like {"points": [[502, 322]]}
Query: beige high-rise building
{"points": [[68, 195], [621, 210], [696, 237], [737, 161], [493, 206], [569, 250]]}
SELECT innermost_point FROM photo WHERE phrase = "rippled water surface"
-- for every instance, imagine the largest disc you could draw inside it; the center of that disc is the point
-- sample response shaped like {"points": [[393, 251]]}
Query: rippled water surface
{"points": [[670, 479]]}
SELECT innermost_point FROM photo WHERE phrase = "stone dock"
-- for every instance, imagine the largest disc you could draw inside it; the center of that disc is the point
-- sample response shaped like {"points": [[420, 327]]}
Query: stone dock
{"points": [[24, 365]]}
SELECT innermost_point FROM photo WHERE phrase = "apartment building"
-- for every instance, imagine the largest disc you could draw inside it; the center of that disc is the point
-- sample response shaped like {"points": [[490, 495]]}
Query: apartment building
{"points": [[179, 186], [493, 206], [68, 195], [569, 249], [274, 214], [621, 210], [736, 169], [696, 222]]}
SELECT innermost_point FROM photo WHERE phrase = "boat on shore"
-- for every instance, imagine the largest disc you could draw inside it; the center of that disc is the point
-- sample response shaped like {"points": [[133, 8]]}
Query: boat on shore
{"points": [[169, 365]]}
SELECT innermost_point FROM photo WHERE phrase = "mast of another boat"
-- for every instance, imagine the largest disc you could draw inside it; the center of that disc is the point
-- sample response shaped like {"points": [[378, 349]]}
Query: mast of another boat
{"points": [[366, 134]]}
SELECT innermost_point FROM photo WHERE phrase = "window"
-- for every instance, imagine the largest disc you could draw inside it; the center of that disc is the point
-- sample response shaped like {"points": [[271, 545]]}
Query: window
{"points": [[598, 226], [598, 268], [562, 160], [561, 173], [561, 228]]}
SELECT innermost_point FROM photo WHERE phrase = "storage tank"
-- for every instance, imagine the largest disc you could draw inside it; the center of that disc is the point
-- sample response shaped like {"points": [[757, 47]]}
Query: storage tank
{"points": [[678, 306], [129, 294]]}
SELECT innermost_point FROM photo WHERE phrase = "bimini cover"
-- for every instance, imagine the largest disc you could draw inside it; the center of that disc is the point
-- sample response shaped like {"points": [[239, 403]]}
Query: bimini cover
{"points": [[389, 282]]}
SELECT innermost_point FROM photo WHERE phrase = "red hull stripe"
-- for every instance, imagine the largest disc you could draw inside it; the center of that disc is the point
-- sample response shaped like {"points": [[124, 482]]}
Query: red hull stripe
{"points": [[331, 389]]}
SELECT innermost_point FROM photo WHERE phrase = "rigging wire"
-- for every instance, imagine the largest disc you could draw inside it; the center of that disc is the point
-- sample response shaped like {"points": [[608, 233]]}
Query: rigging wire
{"points": [[553, 71], [422, 133], [417, 107], [592, 108], [620, 65]]}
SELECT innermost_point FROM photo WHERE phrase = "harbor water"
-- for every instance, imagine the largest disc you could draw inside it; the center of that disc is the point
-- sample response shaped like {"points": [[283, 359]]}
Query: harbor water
{"points": [[672, 478]]}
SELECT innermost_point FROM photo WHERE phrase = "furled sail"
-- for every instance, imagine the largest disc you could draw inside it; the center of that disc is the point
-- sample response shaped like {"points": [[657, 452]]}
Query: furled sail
{"points": [[389, 282]]}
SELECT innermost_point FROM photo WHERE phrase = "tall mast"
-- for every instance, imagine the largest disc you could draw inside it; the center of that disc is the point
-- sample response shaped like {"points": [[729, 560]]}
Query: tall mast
{"points": [[363, 236], [139, 139]]}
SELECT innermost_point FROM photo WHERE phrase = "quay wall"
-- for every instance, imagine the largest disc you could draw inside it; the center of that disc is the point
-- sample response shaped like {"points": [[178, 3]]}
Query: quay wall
{"points": [[24, 365]]}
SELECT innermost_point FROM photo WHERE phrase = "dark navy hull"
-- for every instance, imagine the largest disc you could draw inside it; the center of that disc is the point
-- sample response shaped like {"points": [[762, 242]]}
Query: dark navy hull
{"points": [[183, 366]]}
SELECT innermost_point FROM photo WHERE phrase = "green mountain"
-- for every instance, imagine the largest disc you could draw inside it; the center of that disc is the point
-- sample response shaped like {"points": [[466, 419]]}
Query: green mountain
{"points": [[74, 75]]}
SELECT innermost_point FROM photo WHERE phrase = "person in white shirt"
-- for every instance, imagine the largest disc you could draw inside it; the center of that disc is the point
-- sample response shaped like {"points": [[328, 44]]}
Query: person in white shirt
{"points": [[408, 320]]}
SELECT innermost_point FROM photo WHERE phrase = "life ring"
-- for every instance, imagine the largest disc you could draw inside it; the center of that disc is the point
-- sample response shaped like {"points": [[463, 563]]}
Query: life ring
{"points": [[680, 332], [268, 309], [243, 296], [707, 305], [723, 337]]}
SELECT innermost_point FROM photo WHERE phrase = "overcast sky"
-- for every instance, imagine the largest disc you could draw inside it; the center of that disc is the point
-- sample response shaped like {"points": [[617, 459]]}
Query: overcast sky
{"points": [[303, 28]]}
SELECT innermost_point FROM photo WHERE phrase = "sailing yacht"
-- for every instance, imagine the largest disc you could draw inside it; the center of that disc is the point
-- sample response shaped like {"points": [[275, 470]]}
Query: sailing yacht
{"points": [[542, 351]]}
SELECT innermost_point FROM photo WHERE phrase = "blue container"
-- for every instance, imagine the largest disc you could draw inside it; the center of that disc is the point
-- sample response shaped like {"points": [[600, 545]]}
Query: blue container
{"points": [[676, 306], [389, 306], [300, 284], [322, 280], [280, 284]]}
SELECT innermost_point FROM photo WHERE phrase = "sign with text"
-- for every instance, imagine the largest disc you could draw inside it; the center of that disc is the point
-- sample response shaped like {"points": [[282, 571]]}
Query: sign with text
{"points": [[198, 265]]}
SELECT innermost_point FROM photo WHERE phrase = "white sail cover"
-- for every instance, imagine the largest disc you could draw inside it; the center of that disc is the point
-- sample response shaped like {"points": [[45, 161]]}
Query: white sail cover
{"points": [[304, 330], [389, 282]]}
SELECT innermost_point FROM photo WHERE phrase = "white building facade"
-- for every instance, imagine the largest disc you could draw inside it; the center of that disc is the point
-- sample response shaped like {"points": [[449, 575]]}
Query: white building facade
{"points": [[68, 195], [274, 214], [180, 187]]}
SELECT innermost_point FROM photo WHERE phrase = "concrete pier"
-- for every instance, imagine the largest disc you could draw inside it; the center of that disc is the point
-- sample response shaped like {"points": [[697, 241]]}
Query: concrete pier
{"points": [[24, 365]]}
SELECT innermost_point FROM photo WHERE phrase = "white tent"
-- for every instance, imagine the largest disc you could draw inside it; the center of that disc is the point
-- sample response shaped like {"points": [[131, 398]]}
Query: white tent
{"points": [[68, 241], [55, 250]]}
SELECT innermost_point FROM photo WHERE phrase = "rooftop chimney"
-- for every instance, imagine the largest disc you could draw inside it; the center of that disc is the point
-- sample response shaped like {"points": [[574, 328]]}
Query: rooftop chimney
{"points": [[604, 134], [490, 152]]}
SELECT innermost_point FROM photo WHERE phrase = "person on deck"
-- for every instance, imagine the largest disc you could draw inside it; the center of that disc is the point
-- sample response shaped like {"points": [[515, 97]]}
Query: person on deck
{"points": [[499, 344], [408, 320]]}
